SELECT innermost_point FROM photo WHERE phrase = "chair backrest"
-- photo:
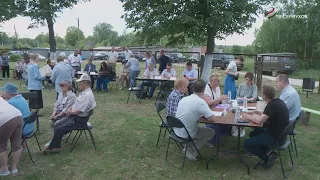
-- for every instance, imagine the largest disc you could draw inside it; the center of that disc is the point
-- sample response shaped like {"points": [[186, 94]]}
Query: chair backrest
{"points": [[29, 95], [160, 106], [168, 85], [290, 130], [32, 118], [174, 122], [287, 129]]}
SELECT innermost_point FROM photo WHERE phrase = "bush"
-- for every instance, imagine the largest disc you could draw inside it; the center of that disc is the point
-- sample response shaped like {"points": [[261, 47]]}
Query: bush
{"points": [[15, 58]]}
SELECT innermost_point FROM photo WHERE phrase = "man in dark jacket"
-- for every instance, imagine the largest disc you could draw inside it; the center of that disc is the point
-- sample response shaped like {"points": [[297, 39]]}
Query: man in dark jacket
{"points": [[5, 65], [163, 60]]}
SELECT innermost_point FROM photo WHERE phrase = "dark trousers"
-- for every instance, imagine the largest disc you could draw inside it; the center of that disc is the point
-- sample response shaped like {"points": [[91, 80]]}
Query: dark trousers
{"points": [[5, 69], [151, 84], [92, 82], [259, 143], [190, 88], [63, 129]]}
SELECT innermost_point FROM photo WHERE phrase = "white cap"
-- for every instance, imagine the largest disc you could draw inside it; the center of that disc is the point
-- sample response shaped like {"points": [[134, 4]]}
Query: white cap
{"points": [[84, 77], [63, 54]]}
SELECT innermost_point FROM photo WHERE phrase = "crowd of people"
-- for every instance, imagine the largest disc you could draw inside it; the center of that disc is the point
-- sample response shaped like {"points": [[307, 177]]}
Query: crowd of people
{"points": [[190, 99]]}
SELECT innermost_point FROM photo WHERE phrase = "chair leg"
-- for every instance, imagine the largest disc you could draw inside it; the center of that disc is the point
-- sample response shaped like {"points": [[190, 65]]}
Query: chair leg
{"points": [[184, 156], [68, 136], [74, 145], [197, 149], [167, 149], [164, 135], [128, 96], [256, 166], [295, 146], [85, 134], [92, 139], [75, 136], [159, 135], [28, 151], [37, 141], [282, 169]]}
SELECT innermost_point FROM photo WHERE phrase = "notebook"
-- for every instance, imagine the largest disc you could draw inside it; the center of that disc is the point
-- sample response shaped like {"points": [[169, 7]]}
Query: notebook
{"points": [[223, 106]]}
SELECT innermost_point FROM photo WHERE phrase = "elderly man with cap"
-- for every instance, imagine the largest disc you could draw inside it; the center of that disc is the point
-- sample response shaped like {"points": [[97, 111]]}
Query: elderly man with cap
{"points": [[78, 114], [10, 94]]}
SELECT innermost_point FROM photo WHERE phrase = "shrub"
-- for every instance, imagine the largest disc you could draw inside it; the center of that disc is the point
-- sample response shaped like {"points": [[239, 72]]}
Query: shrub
{"points": [[15, 58]]}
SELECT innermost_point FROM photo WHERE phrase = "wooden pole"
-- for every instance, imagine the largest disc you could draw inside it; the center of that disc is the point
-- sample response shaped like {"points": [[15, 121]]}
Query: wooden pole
{"points": [[259, 72]]}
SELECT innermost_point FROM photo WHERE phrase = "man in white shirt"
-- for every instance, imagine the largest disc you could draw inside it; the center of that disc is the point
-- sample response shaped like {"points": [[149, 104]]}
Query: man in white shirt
{"points": [[150, 73], [169, 72], [191, 74], [190, 109], [75, 61], [113, 58], [127, 53]]}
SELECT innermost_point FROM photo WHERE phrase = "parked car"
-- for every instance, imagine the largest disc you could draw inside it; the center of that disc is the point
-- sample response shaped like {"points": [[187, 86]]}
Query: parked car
{"points": [[194, 58], [121, 56], [101, 56], [42, 58], [177, 57], [223, 60], [138, 55], [278, 63]]}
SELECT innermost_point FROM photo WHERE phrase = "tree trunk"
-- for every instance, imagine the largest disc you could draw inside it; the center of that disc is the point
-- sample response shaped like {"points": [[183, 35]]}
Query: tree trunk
{"points": [[207, 65], [52, 39]]}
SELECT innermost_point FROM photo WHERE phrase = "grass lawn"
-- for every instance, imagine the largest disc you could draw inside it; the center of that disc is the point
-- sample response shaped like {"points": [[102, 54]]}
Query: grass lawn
{"points": [[126, 136]]}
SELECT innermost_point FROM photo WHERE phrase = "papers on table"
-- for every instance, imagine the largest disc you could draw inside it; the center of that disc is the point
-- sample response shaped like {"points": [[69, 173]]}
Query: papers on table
{"points": [[157, 77], [223, 106], [173, 78], [93, 73], [218, 113]]}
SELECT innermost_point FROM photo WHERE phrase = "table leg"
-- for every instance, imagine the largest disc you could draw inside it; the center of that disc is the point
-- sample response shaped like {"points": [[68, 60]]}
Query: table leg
{"points": [[238, 151], [218, 148]]}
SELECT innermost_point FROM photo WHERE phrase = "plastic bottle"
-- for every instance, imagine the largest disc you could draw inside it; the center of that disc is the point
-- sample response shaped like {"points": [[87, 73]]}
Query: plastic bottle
{"points": [[237, 113], [229, 97], [245, 105]]}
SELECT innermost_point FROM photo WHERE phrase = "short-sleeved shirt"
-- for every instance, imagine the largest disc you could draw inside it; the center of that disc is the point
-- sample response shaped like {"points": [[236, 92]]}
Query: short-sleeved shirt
{"points": [[292, 99], [173, 101], [172, 73], [210, 92], [113, 57], [85, 102], [65, 101], [189, 111], [75, 60], [249, 91], [278, 119], [7, 112], [193, 73], [133, 64], [154, 72], [232, 66]]}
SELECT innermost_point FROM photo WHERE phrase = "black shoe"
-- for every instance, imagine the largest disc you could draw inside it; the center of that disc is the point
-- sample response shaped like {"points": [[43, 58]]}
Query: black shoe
{"points": [[249, 154], [271, 160]]}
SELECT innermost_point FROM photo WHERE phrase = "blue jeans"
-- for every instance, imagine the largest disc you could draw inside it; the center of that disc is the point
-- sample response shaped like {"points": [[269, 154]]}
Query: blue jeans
{"points": [[104, 82], [133, 75], [259, 143], [151, 84]]}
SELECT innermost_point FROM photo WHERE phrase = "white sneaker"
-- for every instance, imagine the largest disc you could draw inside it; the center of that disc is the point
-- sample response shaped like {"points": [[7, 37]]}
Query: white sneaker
{"points": [[242, 133], [235, 133], [190, 155], [47, 145]]}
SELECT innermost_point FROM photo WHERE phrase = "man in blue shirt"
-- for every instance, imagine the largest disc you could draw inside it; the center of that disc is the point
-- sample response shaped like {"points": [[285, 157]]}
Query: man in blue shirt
{"points": [[5, 65], [191, 74], [10, 94], [289, 96], [163, 61]]}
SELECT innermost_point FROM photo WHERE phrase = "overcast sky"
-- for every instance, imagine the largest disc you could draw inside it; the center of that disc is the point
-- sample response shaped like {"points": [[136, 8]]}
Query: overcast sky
{"points": [[98, 11]]}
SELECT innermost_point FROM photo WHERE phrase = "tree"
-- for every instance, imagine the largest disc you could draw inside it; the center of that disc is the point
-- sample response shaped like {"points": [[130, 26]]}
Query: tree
{"points": [[103, 32], [11, 8], [204, 20], [72, 36], [44, 12], [236, 49]]}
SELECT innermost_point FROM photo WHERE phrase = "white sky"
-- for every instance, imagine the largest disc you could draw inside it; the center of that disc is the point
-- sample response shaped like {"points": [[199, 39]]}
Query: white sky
{"points": [[98, 11]]}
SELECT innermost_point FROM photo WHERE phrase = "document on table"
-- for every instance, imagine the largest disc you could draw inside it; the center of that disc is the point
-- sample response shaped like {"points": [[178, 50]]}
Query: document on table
{"points": [[217, 113], [249, 108]]}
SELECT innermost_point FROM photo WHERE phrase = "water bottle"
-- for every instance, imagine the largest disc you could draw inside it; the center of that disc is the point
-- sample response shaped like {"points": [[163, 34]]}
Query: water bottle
{"points": [[245, 104], [237, 113], [229, 97]]}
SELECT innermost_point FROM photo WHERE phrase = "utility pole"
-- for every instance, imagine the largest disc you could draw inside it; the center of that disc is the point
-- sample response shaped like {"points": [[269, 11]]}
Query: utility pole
{"points": [[78, 28]]}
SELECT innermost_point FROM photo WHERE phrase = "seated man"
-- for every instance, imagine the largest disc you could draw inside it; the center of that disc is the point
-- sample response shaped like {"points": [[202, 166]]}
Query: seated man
{"points": [[289, 96], [274, 119], [190, 109], [180, 88], [150, 72], [191, 74], [90, 67], [168, 72], [77, 115]]}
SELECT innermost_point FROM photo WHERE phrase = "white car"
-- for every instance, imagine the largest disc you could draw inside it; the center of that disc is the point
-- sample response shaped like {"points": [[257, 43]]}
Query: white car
{"points": [[42, 58]]}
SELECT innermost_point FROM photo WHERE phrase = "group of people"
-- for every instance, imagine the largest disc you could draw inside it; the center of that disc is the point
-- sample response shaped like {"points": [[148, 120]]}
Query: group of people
{"points": [[275, 117]]}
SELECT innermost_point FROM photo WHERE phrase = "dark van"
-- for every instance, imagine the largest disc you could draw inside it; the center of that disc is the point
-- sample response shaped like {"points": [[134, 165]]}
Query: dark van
{"points": [[279, 63]]}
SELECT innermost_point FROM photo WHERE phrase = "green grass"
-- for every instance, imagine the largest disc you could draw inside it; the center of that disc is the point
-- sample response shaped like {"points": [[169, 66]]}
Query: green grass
{"points": [[126, 136]]}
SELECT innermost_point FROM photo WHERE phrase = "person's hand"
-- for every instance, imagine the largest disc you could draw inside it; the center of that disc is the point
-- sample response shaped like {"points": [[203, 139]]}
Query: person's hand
{"points": [[236, 74], [245, 116], [224, 97], [52, 117]]}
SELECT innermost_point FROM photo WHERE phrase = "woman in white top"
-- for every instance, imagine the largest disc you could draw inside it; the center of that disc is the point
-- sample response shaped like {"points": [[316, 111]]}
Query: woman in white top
{"points": [[229, 81], [212, 94], [149, 59], [10, 128]]}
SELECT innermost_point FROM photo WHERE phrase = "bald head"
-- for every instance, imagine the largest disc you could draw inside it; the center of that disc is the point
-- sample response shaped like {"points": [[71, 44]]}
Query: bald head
{"points": [[282, 81], [181, 85]]}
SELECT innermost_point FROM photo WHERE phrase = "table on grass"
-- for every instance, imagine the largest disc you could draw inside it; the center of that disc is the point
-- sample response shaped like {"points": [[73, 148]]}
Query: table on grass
{"points": [[156, 78], [228, 119]]}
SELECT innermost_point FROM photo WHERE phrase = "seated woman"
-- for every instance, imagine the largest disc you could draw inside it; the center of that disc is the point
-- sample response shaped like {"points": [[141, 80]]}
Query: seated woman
{"points": [[11, 124], [104, 76], [124, 75], [212, 96], [248, 89]]}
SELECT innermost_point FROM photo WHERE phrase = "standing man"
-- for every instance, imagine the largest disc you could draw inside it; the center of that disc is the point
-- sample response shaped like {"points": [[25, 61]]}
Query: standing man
{"points": [[163, 61], [61, 72], [127, 53], [191, 74], [5, 65], [113, 58], [75, 61], [289, 96]]}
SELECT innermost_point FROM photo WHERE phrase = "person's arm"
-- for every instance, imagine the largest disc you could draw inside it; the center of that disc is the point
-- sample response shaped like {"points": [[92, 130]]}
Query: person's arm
{"points": [[206, 111], [210, 101], [254, 93], [54, 75], [127, 64], [239, 90], [256, 119], [153, 61], [36, 74], [286, 98], [194, 76]]}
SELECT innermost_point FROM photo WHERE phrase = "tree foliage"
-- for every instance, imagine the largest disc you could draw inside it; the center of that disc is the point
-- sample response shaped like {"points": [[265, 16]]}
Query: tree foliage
{"points": [[72, 36], [11, 8]]}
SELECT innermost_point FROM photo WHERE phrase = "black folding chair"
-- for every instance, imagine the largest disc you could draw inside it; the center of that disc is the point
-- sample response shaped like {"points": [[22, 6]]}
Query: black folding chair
{"points": [[160, 106], [81, 130], [31, 119], [292, 133], [176, 123], [165, 90], [284, 146], [28, 96], [113, 80], [134, 90]]}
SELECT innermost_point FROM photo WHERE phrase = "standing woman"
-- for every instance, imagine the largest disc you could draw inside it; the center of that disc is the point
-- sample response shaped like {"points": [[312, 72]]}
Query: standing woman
{"points": [[104, 76], [149, 59], [5, 65], [35, 82], [232, 74]]}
